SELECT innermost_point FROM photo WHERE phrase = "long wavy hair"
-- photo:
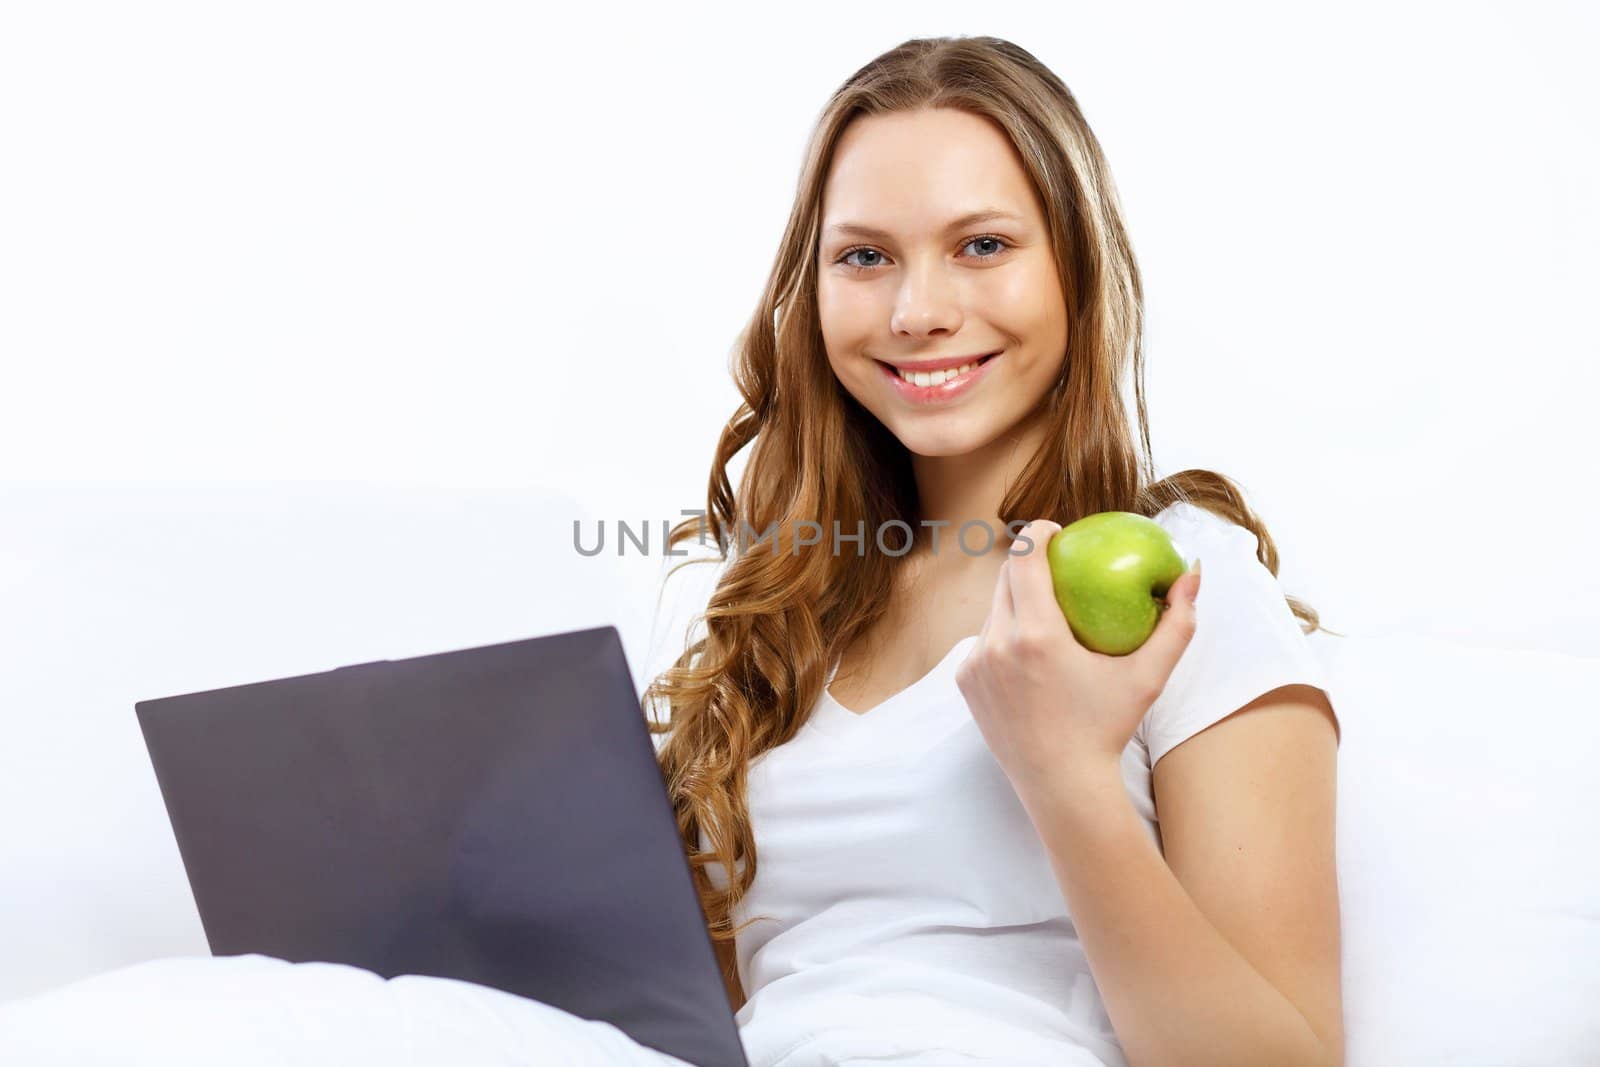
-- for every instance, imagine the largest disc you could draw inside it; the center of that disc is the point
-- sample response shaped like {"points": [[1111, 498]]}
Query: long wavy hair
{"points": [[778, 619]]}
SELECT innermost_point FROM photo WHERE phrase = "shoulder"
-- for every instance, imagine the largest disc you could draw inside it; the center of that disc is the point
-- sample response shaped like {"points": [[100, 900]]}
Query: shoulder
{"points": [[1192, 527], [1247, 640], [1236, 583]]}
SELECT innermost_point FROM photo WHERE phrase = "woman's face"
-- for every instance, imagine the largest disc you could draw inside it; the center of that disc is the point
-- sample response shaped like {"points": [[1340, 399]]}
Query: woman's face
{"points": [[927, 285]]}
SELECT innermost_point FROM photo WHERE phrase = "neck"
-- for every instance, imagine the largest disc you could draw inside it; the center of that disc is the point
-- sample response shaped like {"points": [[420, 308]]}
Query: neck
{"points": [[954, 490]]}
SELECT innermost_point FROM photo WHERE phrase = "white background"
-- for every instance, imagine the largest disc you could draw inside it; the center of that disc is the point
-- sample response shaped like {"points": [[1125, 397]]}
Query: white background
{"points": [[321, 323]]}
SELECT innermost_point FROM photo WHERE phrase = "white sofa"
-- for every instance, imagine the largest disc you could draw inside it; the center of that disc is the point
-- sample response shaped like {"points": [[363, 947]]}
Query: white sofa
{"points": [[1468, 871]]}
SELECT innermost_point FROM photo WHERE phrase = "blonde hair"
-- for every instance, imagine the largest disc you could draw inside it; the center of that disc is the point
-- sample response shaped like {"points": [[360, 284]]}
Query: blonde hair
{"points": [[777, 619]]}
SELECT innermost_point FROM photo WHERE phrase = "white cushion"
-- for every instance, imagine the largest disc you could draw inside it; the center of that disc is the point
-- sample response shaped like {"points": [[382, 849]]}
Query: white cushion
{"points": [[1469, 881], [257, 1011]]}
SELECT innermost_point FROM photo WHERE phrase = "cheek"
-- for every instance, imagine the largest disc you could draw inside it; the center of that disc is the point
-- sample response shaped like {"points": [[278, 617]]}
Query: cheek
{"points": [[847, 323], [1030, 306], [847, 310], [1031, 300]]}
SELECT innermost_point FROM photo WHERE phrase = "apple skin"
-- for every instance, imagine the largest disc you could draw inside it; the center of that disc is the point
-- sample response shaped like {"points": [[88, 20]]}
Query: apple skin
{"points": [[1111, 572]]}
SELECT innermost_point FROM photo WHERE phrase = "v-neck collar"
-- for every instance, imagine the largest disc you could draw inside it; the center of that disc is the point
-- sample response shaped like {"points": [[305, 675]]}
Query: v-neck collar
{"points": [[830, 716]]}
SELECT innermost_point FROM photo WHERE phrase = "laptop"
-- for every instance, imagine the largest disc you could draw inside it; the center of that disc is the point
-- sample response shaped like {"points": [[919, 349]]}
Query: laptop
{"points": [[493, 814]]}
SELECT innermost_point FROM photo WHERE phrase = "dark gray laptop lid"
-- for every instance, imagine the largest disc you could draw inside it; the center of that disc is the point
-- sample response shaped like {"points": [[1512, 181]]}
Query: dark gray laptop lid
{"points": [[492, 814]]}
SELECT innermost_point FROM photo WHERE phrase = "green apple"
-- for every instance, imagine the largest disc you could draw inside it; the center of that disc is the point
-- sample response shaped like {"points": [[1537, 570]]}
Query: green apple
{"points": [[1111, 572]]}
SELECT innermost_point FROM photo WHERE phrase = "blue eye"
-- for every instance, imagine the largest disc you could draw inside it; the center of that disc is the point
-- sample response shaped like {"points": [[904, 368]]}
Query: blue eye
{"points": [[852, 252], [1005, 246]]}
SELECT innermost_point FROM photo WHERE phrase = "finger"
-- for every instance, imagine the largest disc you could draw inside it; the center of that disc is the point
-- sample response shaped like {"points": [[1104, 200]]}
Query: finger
{"points": [[1032, 592], [1000, 607], [1165, 647]]}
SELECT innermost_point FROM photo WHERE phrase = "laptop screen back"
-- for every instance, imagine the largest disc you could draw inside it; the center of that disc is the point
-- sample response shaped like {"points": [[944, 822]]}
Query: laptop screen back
{"points": [[495, 815]]}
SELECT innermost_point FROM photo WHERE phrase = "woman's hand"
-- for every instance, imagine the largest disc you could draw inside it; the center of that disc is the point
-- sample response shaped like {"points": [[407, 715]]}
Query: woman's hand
{"points": [[1047, 706]]}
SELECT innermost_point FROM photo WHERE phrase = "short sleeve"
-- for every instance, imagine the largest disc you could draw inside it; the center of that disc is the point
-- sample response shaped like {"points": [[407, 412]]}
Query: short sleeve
{"points": [[1247, 641]]}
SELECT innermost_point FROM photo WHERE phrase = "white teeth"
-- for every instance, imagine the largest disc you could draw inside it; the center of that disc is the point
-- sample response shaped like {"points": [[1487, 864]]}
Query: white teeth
{"points": [[927, 378]]}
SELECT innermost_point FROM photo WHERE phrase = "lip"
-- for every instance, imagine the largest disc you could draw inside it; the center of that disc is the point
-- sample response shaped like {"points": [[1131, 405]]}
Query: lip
{"points": [[940, 364], [944, 391]]}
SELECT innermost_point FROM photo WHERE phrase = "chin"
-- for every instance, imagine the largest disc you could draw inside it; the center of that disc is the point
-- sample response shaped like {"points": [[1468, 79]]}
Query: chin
{"points": [[934, 441]]}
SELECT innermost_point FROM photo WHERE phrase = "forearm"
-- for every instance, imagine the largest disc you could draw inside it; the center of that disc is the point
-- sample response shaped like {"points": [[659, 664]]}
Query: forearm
{"points": [[1177, 992]]}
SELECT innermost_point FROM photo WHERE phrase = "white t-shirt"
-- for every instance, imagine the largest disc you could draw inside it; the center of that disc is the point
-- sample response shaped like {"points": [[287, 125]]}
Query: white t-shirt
{"points": [[911, 905]]}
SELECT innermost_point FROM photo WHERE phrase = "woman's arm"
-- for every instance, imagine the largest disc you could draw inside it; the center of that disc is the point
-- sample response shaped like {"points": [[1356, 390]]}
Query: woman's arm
{"points": [[1227, 950]]}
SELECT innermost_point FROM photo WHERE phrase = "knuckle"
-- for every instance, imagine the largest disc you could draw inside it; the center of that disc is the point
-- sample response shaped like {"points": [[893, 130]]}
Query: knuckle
{"points": [[970, 674], [1016, 650], [1029, 644]]}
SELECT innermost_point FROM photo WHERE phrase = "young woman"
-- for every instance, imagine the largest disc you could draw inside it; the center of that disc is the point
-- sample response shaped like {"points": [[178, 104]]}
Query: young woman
{"points": [[956, 831], [977, 840]]}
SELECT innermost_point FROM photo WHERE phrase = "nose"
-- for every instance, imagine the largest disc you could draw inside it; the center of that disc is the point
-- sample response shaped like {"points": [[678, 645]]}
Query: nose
{"points": [[927, 301]]}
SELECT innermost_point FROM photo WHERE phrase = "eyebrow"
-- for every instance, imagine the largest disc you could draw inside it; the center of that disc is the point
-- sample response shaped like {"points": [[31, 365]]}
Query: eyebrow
{"points": [[971, 218]]}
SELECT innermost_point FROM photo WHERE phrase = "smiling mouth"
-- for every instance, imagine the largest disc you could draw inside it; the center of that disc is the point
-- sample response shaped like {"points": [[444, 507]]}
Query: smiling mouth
{"points": [[938, 377]]}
